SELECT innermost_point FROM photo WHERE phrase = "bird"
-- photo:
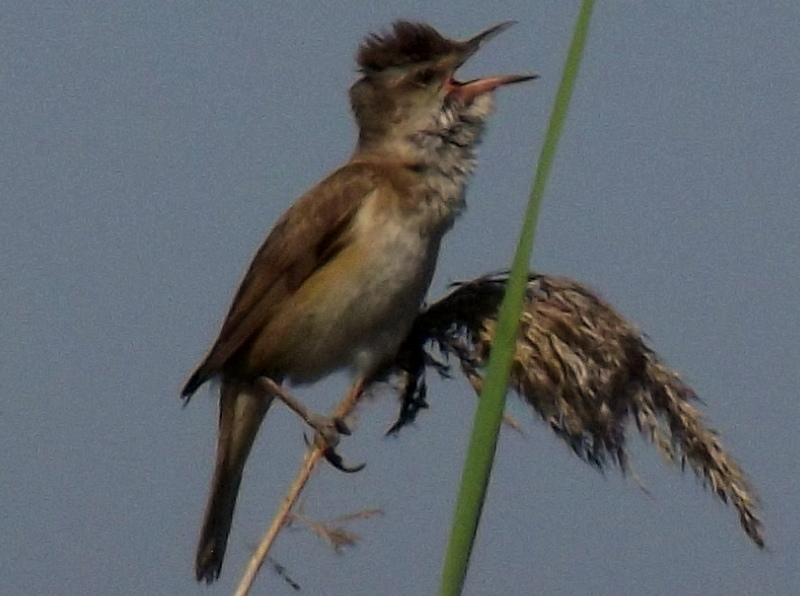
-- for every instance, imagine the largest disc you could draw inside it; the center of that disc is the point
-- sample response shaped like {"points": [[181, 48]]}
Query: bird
{"points": [[343, 273]]}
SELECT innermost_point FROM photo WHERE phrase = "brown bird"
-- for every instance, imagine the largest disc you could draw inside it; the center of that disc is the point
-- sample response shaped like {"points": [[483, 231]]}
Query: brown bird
{"points": [[343, 273]]}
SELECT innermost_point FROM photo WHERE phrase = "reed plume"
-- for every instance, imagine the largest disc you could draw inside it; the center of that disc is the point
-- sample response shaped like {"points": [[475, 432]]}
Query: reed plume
{"points": [[584, 369]]}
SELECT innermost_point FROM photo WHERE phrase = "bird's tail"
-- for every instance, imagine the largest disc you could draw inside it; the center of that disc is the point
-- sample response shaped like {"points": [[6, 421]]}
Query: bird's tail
{"points": [[241, 410]]}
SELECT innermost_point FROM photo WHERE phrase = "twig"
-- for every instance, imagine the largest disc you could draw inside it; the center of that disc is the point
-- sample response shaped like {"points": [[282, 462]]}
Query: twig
{"points": [[345, 407]]}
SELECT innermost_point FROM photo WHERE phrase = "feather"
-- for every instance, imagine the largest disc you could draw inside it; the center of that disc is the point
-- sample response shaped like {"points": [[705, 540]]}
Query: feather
{"points": [[408, 43]]}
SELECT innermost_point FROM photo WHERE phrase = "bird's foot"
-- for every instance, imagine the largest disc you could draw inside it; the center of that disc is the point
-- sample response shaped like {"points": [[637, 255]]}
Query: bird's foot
{"points": [[327, 432], [327, 429]]}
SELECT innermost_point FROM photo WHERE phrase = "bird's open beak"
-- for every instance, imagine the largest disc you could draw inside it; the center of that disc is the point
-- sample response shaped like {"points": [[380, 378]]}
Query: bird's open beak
{"points": [[471, 89], [466, 91]]}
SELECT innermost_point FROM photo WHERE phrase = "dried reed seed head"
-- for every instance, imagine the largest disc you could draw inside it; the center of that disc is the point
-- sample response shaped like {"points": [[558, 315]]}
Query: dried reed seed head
{"points": [[587, 372]]}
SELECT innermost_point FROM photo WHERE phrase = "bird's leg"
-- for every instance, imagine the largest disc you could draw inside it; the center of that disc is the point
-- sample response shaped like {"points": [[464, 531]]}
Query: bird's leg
{"points": [[327, 429]]}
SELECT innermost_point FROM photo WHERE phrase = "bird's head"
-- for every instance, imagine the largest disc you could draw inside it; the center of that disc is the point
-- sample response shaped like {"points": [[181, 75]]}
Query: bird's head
{"points": [[408, 84]]}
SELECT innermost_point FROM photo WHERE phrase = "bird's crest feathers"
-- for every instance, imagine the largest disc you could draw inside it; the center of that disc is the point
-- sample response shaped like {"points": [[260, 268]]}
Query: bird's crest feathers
{"points": [[407, 43]]}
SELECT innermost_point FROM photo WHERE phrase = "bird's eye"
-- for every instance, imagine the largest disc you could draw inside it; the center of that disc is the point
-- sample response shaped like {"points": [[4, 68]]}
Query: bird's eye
{"points": [[425, 77]]}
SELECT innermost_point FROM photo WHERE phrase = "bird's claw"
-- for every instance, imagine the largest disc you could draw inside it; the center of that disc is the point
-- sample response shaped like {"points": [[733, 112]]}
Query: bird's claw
{"points": [[336, 461], [326, 437]]}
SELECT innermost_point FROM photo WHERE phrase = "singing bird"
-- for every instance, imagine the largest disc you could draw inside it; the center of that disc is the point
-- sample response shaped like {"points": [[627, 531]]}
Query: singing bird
{"points": [[341, 276]]}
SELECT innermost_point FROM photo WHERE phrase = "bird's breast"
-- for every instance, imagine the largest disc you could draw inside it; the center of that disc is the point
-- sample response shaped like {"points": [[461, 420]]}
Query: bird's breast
{"points": [[357, 309]]}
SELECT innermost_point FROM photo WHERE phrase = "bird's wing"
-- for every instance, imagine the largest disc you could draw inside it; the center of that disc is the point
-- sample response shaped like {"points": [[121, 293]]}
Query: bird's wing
{"points": [[308, 235]]}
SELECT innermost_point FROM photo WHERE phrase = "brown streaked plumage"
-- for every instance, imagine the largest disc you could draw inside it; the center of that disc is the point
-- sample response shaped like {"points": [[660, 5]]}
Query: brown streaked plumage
{"points": [[341, 276], [308, 235]]}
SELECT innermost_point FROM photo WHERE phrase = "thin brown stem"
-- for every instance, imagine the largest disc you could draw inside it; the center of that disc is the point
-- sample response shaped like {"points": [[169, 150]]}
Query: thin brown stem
{"points": [[345, 407]]}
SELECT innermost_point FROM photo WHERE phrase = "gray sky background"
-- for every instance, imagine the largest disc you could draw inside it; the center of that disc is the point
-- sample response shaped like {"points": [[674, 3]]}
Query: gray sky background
{"points": [[146, 149]]}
